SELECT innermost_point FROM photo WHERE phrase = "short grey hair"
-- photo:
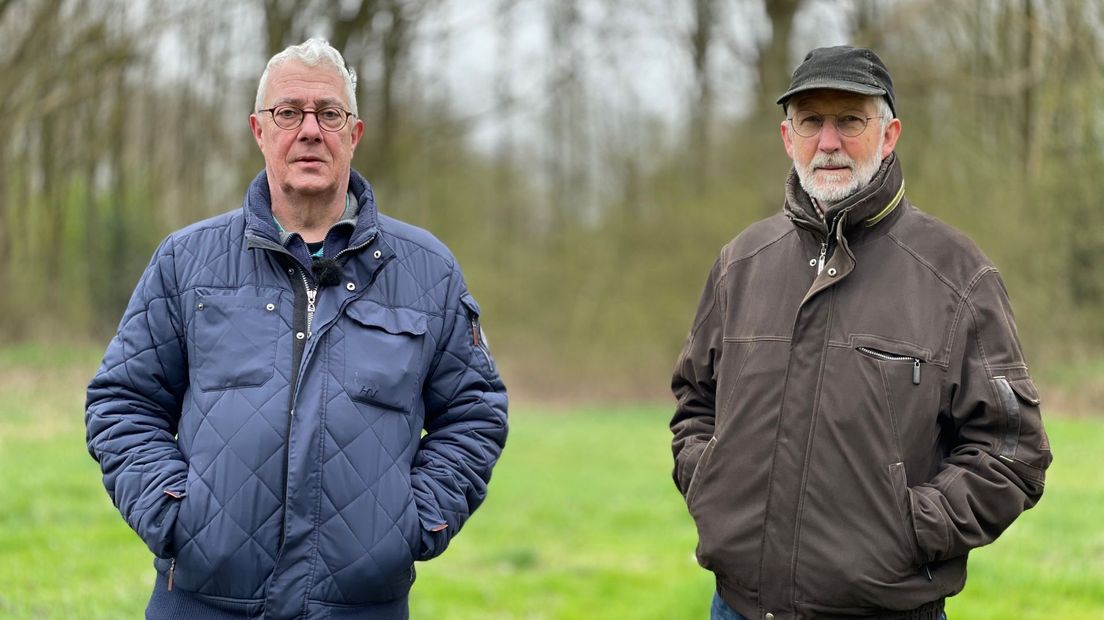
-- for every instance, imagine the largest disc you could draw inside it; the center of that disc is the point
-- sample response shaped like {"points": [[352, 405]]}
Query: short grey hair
{"points": [[884, 111], [311, 52]]}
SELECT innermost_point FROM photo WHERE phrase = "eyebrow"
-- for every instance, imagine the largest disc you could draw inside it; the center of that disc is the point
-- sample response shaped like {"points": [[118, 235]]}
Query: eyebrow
{"points": [[324, 102]]}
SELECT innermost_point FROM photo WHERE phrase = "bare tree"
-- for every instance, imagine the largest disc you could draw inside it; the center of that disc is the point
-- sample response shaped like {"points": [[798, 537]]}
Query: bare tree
{"points": [[774, 64], [700, 42]]}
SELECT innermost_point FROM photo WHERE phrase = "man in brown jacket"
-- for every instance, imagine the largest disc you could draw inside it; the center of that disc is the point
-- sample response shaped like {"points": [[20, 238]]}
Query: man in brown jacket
{"points": [[854, 411]]}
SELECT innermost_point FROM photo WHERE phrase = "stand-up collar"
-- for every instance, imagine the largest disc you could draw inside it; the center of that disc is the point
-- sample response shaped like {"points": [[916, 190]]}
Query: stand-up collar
{"points": [[864, 209], [260, 227]]}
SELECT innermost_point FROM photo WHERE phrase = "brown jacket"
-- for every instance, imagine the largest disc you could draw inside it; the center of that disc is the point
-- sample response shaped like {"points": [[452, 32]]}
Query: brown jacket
{"points": [[843, 440]]}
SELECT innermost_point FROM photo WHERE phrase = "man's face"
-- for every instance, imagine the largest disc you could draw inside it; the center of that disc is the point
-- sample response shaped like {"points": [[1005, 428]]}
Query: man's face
{"points": [[306, 161], [830, 165]]}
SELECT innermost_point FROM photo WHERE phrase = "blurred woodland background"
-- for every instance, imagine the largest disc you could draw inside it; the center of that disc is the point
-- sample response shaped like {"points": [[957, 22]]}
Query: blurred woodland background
{"points": [[585, 159]]}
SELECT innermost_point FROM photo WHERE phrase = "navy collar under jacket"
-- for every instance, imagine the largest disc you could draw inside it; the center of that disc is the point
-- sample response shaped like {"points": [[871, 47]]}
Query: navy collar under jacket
{"points": [[261, 230], [871, 210]]}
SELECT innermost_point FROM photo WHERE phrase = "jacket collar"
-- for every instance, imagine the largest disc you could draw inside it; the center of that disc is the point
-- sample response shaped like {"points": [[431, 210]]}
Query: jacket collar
{"points": [[261, 230], [861, 212]]}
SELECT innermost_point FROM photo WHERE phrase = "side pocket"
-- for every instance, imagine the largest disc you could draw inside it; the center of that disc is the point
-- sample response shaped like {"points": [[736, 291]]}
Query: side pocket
{"points": [[181, 529], [699, 469], [162, 519], [899, 479], [433, 535], [176, 496]]}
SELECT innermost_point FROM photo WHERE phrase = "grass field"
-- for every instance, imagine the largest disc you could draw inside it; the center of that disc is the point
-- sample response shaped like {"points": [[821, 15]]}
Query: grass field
{"points": [[582, 522]]}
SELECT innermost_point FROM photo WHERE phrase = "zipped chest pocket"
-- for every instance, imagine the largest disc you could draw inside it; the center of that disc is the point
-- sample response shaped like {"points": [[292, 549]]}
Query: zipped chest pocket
{"points": [[891, 352], [886, 356], [896, 387]]}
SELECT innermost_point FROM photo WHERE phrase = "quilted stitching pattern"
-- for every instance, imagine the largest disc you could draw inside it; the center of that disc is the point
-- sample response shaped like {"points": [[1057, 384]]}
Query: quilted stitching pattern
{"points": [[364, 490]]}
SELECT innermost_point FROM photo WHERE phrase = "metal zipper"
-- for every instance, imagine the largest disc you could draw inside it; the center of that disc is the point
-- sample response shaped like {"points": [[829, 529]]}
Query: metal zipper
{"points": [[896, 358], [312, 294], [367, 241], [312, 297], [824, 244], [172, 569]]}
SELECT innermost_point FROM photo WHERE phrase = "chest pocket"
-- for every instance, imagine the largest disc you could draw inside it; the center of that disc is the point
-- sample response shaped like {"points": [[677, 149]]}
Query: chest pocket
{"points": [[383, 354], [234, 341]]}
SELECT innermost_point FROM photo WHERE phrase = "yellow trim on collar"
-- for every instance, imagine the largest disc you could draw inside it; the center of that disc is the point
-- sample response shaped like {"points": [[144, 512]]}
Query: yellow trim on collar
{"points": [[879, 216]]}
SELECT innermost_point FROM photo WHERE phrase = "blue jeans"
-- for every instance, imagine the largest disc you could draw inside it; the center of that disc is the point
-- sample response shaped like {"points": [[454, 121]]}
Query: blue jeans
{"points": [[720, 610]]}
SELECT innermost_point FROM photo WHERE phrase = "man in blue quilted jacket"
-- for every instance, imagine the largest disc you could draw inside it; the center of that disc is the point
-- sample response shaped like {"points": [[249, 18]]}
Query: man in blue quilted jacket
{"points": [[299, 402]]}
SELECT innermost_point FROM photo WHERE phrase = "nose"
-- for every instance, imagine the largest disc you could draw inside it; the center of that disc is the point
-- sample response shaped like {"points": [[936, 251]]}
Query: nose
{"points": [[829, 138], [309, 130]]}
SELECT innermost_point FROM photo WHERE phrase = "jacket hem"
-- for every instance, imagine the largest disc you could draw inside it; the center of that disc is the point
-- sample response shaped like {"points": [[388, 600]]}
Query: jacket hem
{"points": [[178, 604], [748, 605]]}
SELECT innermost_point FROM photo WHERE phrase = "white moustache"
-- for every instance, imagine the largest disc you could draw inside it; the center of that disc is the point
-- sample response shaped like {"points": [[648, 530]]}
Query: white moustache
{"points": [[835, 160]]}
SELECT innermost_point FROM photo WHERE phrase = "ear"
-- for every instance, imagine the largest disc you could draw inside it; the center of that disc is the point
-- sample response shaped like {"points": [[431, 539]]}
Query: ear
{"points": [[787, 137], [892, 132], [358, 132], [255, 128]]}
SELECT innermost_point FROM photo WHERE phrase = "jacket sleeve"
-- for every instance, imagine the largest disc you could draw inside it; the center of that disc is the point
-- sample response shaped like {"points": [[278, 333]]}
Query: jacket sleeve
{"points": [[465, 424], [133, 406], [996, 466], [694, 383]]}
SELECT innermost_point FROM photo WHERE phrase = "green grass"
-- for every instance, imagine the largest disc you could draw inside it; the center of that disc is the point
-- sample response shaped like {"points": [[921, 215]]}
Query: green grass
{"points": [[582, 522]]}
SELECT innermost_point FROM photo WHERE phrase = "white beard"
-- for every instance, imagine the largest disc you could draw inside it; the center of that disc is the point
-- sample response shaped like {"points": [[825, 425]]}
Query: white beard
{"points": [[834, 187]]}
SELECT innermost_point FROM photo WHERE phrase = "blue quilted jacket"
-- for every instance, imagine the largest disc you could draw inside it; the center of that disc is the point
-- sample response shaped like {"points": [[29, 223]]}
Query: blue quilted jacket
{"points": [[290, 459]]}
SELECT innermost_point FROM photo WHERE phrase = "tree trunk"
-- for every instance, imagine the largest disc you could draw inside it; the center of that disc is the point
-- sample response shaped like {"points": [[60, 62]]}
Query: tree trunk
{"points": [[700, 41], [775, 67], [279, 20]]}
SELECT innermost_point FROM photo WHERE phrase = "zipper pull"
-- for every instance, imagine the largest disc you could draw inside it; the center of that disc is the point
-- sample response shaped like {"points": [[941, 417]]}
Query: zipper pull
{"points": [[916, 372], [312, 294], [823, 254], [172, 569]]}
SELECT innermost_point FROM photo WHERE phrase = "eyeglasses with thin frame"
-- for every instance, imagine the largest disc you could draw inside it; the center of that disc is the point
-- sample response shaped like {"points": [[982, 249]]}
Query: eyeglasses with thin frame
{"points": [[850, 124], [330, 118]]}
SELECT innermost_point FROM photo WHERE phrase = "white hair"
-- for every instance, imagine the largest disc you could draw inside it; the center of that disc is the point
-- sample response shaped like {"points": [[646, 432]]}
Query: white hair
{"points": [[311, 52], [884, 111]]}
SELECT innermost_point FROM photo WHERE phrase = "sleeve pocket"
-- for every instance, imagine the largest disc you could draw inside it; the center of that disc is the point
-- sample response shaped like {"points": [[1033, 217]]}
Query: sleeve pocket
{"points": [[1018, 398], [476, 338], [1026, 390]]}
